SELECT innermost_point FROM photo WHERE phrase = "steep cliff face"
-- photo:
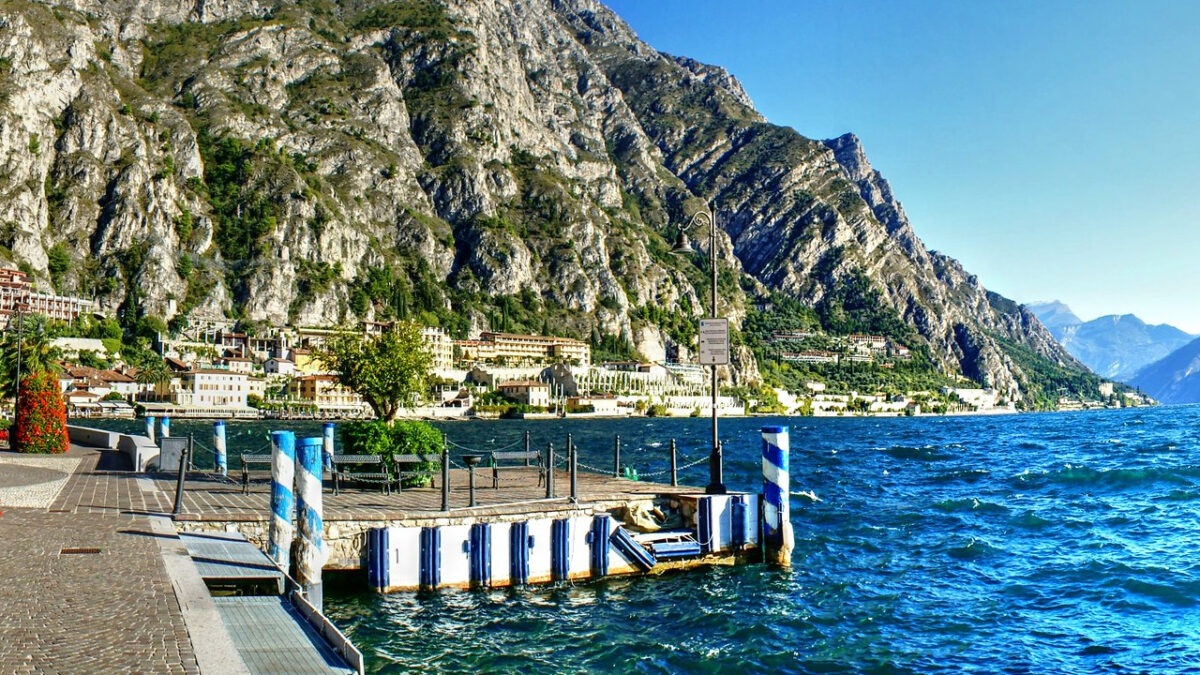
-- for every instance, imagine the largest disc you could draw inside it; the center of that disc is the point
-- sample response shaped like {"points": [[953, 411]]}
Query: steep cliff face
{"points": [[482, 163]]}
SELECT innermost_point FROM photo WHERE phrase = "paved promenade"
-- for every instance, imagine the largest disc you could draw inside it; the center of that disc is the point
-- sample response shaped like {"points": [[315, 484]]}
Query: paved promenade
{"points": [[82, 591]]}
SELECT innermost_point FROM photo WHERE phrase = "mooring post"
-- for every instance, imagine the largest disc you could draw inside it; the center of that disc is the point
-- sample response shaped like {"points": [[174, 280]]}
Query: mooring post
{"points": [[617, 456], [572, 457], [150, 427], [549, 471], [777, 523], [164, 427], [526, 447], [327, 448], [222, 459], [183, 465], [283, 502], [310, 551], [674, 465], [191, 452], [445, 475]]}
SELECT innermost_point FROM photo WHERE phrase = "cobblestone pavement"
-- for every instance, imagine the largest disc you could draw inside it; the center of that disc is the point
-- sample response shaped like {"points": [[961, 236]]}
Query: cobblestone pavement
{"points": [[109, 612], [112, 611], [33, 480]]}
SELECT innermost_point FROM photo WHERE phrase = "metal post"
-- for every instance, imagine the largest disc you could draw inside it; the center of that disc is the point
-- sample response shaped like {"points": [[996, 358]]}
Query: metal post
{"points": [[777, 522], [164, 427], [310, 551], [445, 476], [617, 456], [222, 459], [191, 452], [283, 501], [550, 471], [17, 393], [716, 478], [328, 446], [471, 483], [150, 427], [526, 448], [674, 465], [572, 455], [183, 464]]}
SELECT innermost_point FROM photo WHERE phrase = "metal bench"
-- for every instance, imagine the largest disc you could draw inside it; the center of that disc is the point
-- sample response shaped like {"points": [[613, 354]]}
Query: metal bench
{"points": [[408, 465], [350, 467], [247, 460], [528, 456]]}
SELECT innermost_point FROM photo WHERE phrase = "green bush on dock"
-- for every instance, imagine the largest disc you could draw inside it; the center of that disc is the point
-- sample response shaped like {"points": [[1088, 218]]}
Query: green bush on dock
{"points": [[400, 438]]}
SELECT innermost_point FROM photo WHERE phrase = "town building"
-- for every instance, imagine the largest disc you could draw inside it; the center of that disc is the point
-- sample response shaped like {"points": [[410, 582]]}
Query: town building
{"points": [[207, 388], [515, 349], [16, 294], [529, 392], [811, 356], [277, 366], [325, 393], [440, 347]]}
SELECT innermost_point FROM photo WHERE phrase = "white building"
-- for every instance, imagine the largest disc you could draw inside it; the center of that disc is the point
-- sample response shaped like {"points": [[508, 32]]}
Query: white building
{"points": [[208, 388]]}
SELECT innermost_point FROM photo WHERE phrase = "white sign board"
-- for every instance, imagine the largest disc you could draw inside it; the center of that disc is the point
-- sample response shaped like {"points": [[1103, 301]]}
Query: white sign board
{"points": [[714, 342]]}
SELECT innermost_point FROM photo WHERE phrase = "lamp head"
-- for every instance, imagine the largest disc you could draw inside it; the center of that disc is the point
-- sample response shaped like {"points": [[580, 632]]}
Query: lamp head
{"points": [[682, 245]]}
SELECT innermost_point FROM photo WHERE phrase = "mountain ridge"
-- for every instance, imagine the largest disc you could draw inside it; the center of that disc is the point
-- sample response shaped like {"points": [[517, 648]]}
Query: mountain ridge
{"points": [[458, 162], [1116, 346]]}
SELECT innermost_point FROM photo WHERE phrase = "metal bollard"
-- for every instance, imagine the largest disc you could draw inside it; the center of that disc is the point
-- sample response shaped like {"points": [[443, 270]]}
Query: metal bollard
{"points": [[526, 448], [310, 549], [573, 457], [445, 476], [617, 456], [150, 427], [674, 465], [777, 523], [184, 461], [550, 471], [222, 459], [327, 448], [283, 501]]}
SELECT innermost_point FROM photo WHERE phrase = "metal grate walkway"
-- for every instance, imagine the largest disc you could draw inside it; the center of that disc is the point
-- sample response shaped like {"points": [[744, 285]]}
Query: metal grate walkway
{"points": [[273, 637], [227, 558]]}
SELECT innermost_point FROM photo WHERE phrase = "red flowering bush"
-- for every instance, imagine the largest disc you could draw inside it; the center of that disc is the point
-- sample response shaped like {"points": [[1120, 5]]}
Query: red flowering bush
{"points": [[41, 416]]}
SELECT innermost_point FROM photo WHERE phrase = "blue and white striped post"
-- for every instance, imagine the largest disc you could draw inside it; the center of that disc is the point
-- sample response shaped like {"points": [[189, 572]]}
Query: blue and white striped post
{"points": [[283, 502], [310, 553], [222, 460], [777, 522], [150, 427], [328, 454], [164, 427]]}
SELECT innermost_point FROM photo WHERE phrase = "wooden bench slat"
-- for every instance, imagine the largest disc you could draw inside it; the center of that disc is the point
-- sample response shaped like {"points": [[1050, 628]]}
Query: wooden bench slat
{"points": [[357, 459], [517, 454]]}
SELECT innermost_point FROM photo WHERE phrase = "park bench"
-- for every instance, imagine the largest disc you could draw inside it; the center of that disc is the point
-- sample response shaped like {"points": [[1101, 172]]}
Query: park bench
{"points": [[361, 468], [528, 457], [409, 465], [247, 460]]}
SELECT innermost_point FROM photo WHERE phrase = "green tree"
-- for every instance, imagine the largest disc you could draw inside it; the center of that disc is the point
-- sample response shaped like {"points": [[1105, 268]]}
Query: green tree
{"points": [[388, 370], [33, 350]]}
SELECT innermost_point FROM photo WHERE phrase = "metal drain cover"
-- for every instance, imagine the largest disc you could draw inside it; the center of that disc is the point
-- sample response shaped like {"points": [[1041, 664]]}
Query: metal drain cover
{"points": [[79, 551]]}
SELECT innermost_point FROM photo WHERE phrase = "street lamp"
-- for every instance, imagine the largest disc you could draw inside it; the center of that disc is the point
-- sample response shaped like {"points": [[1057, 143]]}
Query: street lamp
{"points": [[716, 482]]}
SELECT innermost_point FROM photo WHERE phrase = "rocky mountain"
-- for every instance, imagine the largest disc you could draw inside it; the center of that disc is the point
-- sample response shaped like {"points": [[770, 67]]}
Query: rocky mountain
{"points": [[1114, 346], [515, 163], [1175, 378], [1054, 315]]}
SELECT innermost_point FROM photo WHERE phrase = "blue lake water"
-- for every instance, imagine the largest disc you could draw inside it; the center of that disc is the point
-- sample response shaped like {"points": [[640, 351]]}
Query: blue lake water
{"points": [[1048, 543]]}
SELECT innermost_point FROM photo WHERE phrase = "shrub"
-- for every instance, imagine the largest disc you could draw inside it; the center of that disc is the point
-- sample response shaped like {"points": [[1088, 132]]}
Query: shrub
{"points": [[41, 416], [402, 438]]}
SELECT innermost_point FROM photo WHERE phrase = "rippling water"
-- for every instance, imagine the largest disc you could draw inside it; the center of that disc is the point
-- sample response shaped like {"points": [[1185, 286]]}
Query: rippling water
{"points": [[1034, 543]]}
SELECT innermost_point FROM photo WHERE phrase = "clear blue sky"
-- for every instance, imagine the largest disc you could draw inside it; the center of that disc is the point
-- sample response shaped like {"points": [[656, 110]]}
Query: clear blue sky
{"points": [[1051, 146]]}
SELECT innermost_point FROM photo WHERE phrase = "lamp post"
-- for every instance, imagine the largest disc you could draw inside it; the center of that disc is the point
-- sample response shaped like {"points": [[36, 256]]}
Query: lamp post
{"points": [[716, 479]]}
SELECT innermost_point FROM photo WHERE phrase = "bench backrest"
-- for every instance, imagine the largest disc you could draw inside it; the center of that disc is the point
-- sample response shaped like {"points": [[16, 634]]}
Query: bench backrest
{"points": [[357, 459], [516, 454], [256, 459], [417, 459]]}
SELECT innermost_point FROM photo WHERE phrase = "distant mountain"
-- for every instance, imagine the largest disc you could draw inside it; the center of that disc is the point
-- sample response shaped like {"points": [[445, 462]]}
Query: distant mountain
{"points": [[1114, 346], [1054, 315], [1174, 379]]}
